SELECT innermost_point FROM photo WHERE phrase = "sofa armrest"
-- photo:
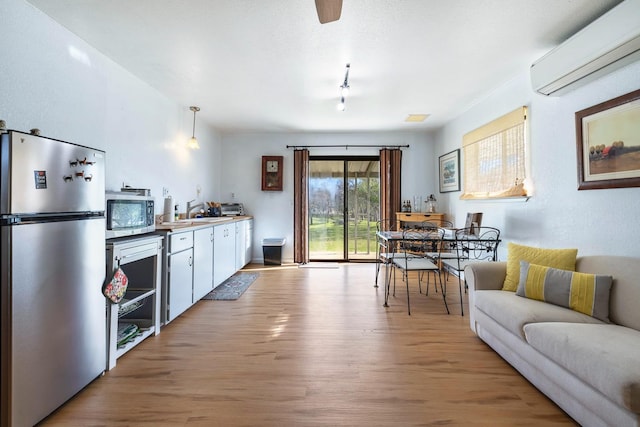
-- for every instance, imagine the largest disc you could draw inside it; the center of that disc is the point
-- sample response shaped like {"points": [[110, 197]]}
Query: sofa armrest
{"points": [[485, 275]]}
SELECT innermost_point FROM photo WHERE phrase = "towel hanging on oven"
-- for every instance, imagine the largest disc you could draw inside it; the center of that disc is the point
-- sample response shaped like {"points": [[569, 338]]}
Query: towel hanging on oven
{"points": [[115, 289]]}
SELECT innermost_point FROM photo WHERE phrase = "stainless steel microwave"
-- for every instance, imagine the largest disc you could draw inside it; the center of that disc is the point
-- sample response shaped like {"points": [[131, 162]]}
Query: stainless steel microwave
{"points": [[129, 214]]}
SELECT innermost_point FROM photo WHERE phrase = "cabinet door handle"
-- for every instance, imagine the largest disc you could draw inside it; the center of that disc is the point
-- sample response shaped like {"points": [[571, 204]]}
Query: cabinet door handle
{"points": [[190, 261], [211, 237]]}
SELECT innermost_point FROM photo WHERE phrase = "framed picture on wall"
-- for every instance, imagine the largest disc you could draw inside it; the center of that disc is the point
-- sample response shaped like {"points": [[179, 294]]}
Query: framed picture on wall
{"points": [[450, 172], [608, 143]]}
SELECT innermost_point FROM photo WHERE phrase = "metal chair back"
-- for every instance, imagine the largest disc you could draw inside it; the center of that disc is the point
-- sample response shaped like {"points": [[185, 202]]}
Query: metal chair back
{"points": [[477, 243], [471, 244], [416, 245]]}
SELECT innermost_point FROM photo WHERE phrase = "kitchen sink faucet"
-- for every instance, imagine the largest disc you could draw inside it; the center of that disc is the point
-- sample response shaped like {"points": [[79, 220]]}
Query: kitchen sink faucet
{"points": [[191, 207]]}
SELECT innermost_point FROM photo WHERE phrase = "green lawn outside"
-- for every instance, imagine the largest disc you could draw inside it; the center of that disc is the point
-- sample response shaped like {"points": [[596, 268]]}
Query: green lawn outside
{"points": [[326, 235]]}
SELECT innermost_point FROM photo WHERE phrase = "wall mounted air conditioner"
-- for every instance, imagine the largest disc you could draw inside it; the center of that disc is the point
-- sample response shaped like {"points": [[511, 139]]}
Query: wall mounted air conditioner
{"points": [[608, 43]]}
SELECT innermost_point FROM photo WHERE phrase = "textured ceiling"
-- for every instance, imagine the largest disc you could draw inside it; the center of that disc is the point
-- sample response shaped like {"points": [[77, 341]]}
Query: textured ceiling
{"points": [[269, 65]]}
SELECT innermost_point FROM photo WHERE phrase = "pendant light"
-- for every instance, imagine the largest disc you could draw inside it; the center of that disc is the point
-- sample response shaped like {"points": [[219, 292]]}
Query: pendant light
{"points": [[193, 142]]}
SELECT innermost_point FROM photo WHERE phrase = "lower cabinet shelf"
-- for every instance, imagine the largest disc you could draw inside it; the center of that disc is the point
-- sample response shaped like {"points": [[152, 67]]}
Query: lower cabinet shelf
{"points": [[137, 299], [143, 333]]}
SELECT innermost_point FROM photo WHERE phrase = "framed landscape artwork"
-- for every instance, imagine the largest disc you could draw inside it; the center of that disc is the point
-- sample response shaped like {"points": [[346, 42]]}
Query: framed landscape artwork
{"points": [[450, 172], [608, 143]]}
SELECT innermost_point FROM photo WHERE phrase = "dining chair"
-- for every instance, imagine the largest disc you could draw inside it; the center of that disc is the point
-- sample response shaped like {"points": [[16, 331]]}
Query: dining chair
{"points": [[472, 244], [419, 227], [410, 248], [384, 254], [417, 261], [381, 248], [444, 249]]}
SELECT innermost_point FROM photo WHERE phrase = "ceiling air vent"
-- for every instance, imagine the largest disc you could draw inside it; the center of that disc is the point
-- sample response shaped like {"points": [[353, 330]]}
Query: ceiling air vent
{"points": [[416, 118]]}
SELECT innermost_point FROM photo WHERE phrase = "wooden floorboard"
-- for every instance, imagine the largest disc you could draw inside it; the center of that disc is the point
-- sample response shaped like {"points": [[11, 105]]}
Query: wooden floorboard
{"points": [[313, 347]]}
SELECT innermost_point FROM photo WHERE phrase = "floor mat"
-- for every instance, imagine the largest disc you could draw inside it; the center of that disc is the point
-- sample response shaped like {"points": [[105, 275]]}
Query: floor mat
{"points": [[232, 288]]}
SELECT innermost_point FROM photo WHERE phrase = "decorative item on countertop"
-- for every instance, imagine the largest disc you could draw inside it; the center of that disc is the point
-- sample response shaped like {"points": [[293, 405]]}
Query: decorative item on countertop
{"points": [[432, 204], [167, 212], [175, 213], [417, 203], [214, 209], [115, 289]]}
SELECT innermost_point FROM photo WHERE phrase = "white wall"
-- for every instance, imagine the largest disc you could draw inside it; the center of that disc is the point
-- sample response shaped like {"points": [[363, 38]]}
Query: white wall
{"points": [[273, 211], [558, 215], [54, 81]]}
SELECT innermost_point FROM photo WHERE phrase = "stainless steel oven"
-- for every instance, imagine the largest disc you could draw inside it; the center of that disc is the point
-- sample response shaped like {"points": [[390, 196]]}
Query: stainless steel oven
{"points": [[129, 214]]}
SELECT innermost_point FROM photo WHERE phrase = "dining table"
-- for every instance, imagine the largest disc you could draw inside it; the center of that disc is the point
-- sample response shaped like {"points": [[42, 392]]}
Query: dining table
{"points": [[392, 241]]}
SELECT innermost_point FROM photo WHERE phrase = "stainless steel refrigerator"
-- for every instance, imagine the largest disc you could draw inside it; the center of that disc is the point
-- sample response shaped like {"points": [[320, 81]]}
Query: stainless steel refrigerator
{"points": [[52, 247]]}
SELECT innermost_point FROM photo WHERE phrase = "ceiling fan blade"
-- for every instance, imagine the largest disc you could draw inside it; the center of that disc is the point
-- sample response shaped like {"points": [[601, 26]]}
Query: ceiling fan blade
{"points": [[328, 10]]}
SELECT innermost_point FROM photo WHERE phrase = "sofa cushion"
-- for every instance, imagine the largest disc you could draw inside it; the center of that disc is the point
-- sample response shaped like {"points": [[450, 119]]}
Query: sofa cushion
{"points": [[604, 356], [583, 292], [625, 291], [514, 312], [564, 259]]}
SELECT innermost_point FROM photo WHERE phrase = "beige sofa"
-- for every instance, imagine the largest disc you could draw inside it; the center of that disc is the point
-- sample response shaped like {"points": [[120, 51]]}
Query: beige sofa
{"points": [[590, 368]]}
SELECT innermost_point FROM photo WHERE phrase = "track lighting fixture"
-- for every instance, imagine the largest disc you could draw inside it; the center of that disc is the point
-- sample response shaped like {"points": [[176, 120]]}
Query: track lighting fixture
{"points": [[193, 142], [344, 90]]}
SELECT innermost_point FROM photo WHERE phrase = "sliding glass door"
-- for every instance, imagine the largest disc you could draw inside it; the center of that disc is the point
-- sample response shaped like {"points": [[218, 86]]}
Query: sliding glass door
{"points": [[344, 205]]}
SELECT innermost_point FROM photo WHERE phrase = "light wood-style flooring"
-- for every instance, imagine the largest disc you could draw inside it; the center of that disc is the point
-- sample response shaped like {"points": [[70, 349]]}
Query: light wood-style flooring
{"points": [[313, 347]]}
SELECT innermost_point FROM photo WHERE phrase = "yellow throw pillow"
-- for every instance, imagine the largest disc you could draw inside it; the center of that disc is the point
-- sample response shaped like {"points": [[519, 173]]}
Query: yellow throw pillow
{"points": [[581, 292], [564, 259]]}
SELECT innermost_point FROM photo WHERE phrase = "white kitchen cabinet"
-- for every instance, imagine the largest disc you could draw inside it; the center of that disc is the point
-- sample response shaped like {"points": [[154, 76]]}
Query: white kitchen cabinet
{"points": [[248, 241], [224, 252], [179, 278], [198, 258], [202, 262], [244, 237]]}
